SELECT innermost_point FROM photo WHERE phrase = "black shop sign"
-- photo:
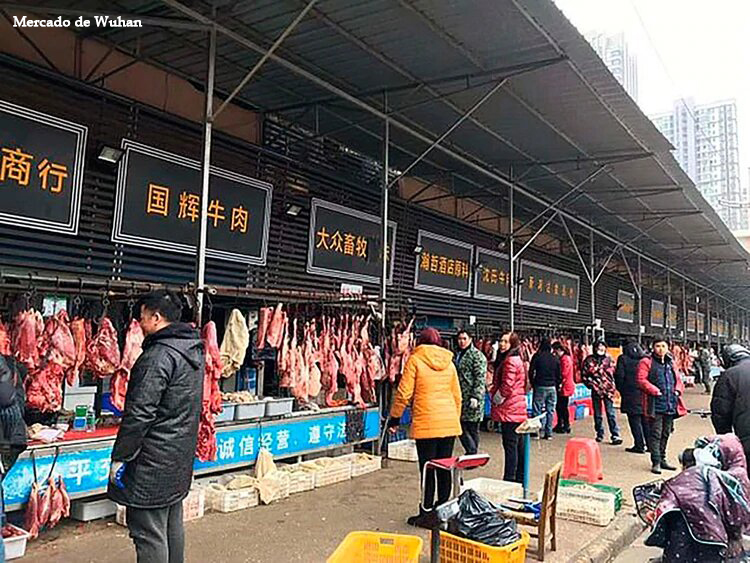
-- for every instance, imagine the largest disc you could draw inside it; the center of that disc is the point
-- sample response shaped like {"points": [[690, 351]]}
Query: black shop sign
{"points": [[444, 265], [625, 306], [493, 276], [701, 323], [548, 288], [41, 169], [691, 321], [657, 313], [346, 243], [159, 202], [673, 316]]}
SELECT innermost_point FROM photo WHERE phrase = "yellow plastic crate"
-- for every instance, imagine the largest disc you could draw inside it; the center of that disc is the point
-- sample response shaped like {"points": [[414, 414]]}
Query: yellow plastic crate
{"points": [[376, 547], [459, 550]]}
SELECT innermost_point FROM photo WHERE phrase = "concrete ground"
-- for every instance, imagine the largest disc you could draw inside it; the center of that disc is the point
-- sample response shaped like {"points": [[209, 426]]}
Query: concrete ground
{"points": [[308, 527]]}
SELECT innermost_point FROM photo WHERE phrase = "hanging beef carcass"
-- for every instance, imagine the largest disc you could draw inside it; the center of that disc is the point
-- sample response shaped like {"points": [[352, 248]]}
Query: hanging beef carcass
{"points": [[5, 348], [329, 372], [285, 358], [264, 320], [56, 503], [276, 327], [118, 385], [31, 520], [28, 328], [206, 448], [57, 344], [103, 351], [78, 330], [235, 343], [312, 357]]}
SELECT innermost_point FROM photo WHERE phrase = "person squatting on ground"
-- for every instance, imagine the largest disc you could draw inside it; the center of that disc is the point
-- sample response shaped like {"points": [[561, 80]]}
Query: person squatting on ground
{"points": [[662, 387], [730, 404], [626, 382], [508, 394], [152, 459], [471, 365], [545, 378], [430, 384], [597, 374], [704, 510], [566, 390]]}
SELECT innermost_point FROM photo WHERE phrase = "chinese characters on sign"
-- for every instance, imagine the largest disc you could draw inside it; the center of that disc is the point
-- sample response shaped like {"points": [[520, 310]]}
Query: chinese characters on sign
{"points": [[701, 323], [548, 288], [159, 202], [673, 316], [41, 169], [691, 321], [346, 243], [493, 276], [444, 265], [657, 313], [625, 306]]}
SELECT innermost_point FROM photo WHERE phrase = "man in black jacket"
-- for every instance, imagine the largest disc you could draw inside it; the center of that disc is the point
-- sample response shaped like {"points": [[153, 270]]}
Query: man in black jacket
{"points": [[626, 382], [152, 460], [730, 404], [545, 377]]}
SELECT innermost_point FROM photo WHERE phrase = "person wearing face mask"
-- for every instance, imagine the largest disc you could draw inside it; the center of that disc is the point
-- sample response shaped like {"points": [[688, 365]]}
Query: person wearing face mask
{"points": [[662, 388], [508, 394], [598, 375], [471, 366]]}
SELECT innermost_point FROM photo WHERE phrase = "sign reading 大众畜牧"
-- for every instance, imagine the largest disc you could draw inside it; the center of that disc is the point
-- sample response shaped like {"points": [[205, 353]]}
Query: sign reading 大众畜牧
{"points": [[158, 205], [657, 313], [672, 316], [691, 321], [548, 288], [701, 323], [444, 265], [41, 169], [492, 281], [346, 243], [625, 306]]}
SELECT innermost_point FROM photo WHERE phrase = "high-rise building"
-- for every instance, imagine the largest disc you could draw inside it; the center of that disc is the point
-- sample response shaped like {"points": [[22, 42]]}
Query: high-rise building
{"points": [[707, 147], [613, 50]]}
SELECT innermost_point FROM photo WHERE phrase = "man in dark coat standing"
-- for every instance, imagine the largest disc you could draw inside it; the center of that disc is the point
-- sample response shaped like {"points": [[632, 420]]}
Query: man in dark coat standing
{"points": [[471, 366], [730, 404], [152, 459], [626, 381]]}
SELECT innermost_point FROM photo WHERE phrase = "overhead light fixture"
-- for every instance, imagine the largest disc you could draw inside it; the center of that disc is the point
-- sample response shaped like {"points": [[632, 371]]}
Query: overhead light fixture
{"points": [[418, 249], [293, 209], [110, 154], [520, 281], [501, 245], [479, 266]]}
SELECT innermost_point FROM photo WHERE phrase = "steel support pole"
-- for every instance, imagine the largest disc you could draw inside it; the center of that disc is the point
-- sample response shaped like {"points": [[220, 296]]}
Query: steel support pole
{"points": [[592, 280], [709, 324], [384, 216], [697, 310], [640, 302], [512, 261], [669, 303], [200, 278], [684, 310]]}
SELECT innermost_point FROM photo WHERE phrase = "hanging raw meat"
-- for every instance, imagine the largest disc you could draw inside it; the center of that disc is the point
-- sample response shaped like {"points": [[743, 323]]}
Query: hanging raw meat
{"points": [[31, 520], [4, 340], [285, 358], [328, 363], [56, 503], [78, 330], [206, 449], [28, 328], [65, 497], [103, 351], [235, 343], [311, 359], [44, 508], [133, 348], [264, 319], [276, 327], [57, 344]]}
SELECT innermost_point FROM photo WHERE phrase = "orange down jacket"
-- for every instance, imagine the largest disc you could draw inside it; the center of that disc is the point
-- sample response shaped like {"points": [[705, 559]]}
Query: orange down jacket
{"points": [[430, 384]]}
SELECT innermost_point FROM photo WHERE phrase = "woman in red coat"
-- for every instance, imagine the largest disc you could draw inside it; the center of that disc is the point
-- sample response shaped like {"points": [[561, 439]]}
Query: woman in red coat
{"points": [[567, 388], [508, 393]]}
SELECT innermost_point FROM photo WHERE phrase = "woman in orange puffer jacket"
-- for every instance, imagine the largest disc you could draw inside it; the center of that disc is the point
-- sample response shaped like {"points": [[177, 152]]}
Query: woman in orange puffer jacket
{"points": [[430, 384], [508, 394]]}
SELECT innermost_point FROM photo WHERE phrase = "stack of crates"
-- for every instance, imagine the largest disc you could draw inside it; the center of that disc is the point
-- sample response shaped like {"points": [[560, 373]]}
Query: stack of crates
{"points": [[615, 491]]}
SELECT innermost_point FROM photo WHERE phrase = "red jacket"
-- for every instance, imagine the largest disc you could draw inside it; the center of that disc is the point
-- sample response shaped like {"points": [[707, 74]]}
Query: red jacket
{"points": [[650, 390], [510, 381], [568, 387]]}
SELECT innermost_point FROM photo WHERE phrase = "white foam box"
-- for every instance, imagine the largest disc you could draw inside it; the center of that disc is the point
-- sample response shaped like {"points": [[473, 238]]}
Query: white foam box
{"points": [[88, 510]]}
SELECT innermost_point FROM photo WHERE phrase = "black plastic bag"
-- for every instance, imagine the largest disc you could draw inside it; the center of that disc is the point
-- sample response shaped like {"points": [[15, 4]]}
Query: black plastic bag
{"points": [[480, 520]]}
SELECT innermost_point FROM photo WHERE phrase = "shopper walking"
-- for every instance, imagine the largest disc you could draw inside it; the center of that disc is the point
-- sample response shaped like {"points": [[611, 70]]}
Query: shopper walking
{"points": [[430, 383], [566, 390], [508, 393], [545, 377], [626, 382], [598, 375], [662, 387], [152, 459], [704, 360], [471, 365], [730, 404]]}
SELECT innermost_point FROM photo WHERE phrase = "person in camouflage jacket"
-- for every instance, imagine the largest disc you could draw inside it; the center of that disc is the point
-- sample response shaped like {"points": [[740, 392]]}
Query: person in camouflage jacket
{"points": [[471, 366], [598, 374]]}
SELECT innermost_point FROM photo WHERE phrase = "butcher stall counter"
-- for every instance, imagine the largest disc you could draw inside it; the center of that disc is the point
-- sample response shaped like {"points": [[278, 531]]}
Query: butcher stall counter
{"points": [[83, 459]]}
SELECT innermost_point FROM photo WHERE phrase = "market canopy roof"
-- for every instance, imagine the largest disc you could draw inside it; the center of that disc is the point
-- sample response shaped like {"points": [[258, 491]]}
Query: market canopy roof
{"points": [[553, 113]]}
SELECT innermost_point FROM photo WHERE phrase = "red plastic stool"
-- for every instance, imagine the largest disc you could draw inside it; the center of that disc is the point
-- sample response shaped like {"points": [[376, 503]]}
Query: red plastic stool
{"points": [[591, 469]]}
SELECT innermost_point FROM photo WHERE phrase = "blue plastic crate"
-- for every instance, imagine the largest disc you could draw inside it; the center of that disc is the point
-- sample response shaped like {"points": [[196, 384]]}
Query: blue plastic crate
{"points": [[107, 404]]}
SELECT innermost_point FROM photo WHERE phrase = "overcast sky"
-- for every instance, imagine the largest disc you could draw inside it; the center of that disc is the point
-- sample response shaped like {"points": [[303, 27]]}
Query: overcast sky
{"points": [[685, 48]]}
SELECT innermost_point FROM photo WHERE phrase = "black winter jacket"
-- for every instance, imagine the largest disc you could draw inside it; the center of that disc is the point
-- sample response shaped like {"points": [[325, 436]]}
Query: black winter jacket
{"points": [[730, 404], [159, 428], [626, 375], [544, 370]]}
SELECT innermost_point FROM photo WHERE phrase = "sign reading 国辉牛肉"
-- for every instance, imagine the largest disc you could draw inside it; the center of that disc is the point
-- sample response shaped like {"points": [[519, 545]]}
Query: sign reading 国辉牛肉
{"points": [[41, 169], [444, 265], [492, 280], [158, 205], [345, 243], [548, 288]]}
